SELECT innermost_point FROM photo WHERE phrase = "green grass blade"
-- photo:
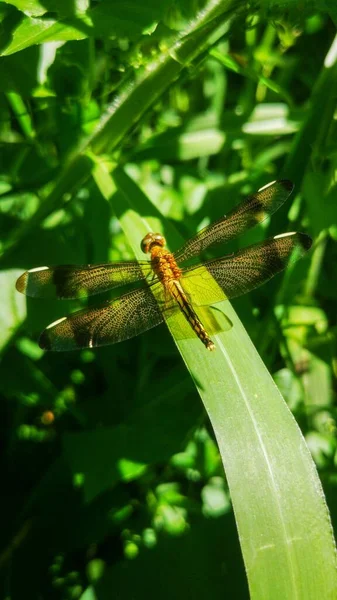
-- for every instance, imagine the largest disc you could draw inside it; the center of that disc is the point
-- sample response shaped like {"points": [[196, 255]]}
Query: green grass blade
{"points": [[24, 119], [283, 522]]}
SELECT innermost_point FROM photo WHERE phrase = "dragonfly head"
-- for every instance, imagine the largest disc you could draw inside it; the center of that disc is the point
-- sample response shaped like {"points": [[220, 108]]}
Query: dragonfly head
{"points": [[151, 239]]}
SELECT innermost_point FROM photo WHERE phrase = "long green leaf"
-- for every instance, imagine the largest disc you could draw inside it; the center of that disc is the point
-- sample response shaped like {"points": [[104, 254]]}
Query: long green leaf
{"points": [[282, 518]]}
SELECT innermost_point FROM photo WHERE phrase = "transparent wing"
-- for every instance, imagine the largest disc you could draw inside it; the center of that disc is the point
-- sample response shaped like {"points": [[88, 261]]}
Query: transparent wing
{"points": [[254, 209], [69, 281], [245, 270], [109, 323], [123, 318]]}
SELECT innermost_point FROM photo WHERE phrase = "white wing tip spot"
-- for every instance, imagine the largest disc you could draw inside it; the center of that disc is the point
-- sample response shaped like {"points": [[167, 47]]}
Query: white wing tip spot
{"points": [[266, 186], [56, 322], [37, 269], [281, 235]]}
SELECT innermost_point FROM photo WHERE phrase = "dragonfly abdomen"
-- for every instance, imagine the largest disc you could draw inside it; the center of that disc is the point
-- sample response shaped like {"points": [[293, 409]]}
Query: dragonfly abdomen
{"points": [[179, 295]]}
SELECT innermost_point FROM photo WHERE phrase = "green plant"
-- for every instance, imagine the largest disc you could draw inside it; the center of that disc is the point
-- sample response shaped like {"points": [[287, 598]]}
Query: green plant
{"points": [[159, 117]]}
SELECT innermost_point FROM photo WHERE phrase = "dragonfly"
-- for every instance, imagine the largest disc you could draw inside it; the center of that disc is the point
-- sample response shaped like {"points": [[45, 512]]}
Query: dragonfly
{"points": [[168, 289]]}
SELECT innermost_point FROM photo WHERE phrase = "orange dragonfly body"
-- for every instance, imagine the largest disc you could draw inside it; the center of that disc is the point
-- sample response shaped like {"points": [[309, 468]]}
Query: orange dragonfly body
{"points": [[169, 274], [168, 289]]}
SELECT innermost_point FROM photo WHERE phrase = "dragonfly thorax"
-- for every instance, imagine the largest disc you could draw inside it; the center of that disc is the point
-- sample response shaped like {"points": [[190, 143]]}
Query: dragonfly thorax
{"points": [[150, 240]]}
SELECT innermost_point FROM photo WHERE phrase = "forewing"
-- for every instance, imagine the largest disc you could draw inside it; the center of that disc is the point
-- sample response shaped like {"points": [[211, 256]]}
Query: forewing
{"points": [[109, 323], [245, 270], [69, 281], [254, 209]]}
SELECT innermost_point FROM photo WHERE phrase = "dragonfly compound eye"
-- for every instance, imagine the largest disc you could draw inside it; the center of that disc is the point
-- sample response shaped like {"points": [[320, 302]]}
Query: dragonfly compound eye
{"points": [[150, 239]]}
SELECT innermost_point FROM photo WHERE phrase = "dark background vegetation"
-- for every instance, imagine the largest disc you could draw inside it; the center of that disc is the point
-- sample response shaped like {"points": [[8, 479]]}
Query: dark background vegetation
{"points": [[258, 105]]}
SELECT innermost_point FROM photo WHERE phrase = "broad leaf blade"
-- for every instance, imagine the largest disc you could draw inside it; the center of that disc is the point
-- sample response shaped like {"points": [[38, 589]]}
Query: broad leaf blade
{"points": [[282, 518]]}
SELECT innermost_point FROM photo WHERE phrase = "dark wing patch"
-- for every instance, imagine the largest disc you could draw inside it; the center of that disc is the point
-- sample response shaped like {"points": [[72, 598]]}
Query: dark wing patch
{"points": [[254, 209], [68, 281], [249, 268], [109, 323], [253, 266]]}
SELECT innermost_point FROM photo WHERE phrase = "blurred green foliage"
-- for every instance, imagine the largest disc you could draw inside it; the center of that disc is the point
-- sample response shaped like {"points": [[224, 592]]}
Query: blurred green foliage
{"points": [[256, 105]]}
